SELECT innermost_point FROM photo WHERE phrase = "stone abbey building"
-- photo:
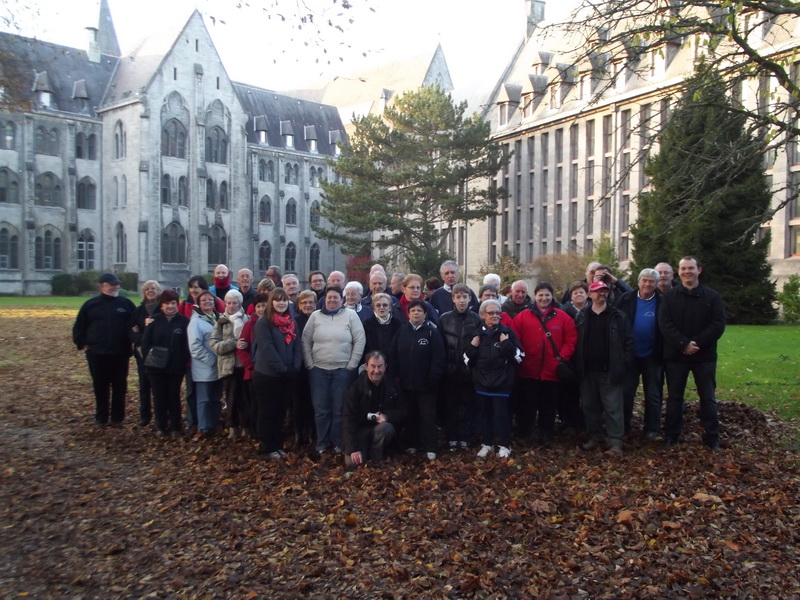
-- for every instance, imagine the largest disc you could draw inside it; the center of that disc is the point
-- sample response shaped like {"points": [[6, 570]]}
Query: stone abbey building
{"points": [[154, 163]]}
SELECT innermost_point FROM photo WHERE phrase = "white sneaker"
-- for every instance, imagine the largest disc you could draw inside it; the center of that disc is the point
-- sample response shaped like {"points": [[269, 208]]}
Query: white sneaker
{"points": [[431, 455], [503, 452], [484, 451], [453, 445]]}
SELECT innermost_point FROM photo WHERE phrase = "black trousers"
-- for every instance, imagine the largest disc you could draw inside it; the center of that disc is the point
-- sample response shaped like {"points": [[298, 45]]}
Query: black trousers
{"points": [[145, 390], [110, 382], [273, 395], [167, 400]]}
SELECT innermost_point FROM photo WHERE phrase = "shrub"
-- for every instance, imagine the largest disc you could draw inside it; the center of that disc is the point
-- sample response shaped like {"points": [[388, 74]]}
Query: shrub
{"points": [[790, 299], [130, 281], [560, 270], [64, 284], [87, 280]]}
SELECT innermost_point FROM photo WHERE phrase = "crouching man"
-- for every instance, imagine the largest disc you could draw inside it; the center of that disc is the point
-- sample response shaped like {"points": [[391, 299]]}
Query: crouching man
{"points": [[373, 409]]}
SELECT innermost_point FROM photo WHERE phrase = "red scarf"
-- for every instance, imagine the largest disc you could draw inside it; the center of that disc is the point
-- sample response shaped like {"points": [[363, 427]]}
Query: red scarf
{"points": [[404, 302], [285, 325], [222, 283]]}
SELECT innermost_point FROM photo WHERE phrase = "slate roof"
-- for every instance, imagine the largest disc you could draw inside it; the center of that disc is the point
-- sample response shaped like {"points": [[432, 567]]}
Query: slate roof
{"points": [[65, 68], [279, 112]]}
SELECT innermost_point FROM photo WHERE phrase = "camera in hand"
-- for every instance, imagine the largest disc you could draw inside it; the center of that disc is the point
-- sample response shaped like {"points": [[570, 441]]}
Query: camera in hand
{"points": [[372, 416]]}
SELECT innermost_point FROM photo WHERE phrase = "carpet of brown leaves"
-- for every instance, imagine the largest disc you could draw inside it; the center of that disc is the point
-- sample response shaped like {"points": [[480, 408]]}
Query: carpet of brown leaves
{"points": [[120, 513]]}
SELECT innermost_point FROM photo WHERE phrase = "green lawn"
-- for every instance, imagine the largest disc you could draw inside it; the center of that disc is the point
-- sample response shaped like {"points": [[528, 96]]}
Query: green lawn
{"points": [[760, 365], [60, 302]]}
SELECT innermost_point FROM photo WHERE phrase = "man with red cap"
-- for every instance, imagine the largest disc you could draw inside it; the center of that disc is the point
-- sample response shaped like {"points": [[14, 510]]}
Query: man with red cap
{"points": [[602, 355]]}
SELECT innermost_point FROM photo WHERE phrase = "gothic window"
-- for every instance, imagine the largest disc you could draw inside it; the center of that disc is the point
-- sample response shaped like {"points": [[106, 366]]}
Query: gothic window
{"points": [[312, 177], [265, 210], [296, 174], [9, 248], [9, 187], [183, 192], [166, 190], [48, 249], [91, 147], [53, 143], [40, 143], [262, 170], [264, 256], [80, 141], [47, 191], [217, 146], [115, 191], [271, 171], [123, 191], [7, 135], [121, 244], [223, 196], [87, 194], [217, 246], [86, 250], [313, 258], [287, 178], [120, 140], [210, 201], [290, 255], [314, 216], [173, 244], [173, 139], [291, 212]]}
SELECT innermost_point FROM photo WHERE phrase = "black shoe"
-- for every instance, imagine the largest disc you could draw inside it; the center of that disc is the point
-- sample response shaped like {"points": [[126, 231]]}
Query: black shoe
{"points": [[116, 424], [670, 441], [144, 422], [590, 444], [713, 445]]}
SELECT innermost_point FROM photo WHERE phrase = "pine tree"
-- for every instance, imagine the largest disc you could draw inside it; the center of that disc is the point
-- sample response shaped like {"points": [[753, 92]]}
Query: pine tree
{"points": [[409, 176], [707, 184]]}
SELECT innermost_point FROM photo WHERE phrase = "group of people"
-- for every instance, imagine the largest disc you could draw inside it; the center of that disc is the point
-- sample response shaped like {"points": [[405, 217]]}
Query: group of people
{"points": [[362, 372]]}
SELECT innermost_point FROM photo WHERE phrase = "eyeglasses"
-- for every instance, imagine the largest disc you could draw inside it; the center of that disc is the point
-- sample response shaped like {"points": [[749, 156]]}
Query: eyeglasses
{"points": [[493, 313], [381, 305]]}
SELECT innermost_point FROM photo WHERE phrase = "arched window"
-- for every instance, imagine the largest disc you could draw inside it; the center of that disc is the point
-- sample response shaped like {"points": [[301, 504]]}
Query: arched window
{"points": [[262, 170], [86, 250], [173, 244], [87, 194], [53, 143], [183, 192], [9, 248], [291, 212], [40, 144], [48, 249], [296, 174], [287, 178], [314, 214], [123, 191], [217, 146], [9, 187], [313, 258], [210, 200], [265, 210], [264, 256], [47, 191], [91, 147], [7, 135], [217, 246], [120, 140], [290, 255], [80, 141], [121, 244], [223, 196], [271, 171], [173, 139]]}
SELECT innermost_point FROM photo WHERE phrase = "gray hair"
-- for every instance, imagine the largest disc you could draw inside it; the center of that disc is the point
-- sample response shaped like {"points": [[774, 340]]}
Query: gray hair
{"points": [[649, 273], [235, 294], [492, 277], [448, 263], [487, 303], [354, 285]]}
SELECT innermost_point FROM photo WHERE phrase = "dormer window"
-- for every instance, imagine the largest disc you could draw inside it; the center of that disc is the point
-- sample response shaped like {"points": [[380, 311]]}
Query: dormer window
{"points": [[287, 133], [44, 93], [311, 137]]}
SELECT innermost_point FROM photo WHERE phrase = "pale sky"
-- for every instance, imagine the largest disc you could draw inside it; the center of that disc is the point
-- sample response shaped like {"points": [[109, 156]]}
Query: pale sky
{"points": [[257, 47]]}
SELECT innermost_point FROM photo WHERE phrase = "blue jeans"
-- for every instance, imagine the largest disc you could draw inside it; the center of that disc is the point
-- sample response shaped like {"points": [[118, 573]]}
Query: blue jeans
{"points": [[650, 369], [602, 405], [705, 378], [328, 389], [495, 424], [209, 407]]}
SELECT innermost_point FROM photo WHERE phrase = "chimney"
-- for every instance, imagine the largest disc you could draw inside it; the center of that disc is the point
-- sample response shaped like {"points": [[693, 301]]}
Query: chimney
{"points": [[93, 50], [534, 13]]}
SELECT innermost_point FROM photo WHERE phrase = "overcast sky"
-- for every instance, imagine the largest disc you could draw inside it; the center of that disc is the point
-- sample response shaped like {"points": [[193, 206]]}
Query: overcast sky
{"points": [[258, 47]]}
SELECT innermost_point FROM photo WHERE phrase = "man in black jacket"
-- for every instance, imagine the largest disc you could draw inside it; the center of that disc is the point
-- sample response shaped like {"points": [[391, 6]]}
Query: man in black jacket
{"points": [[602, 357], [373, 409], [692, 319], [101, 330]]}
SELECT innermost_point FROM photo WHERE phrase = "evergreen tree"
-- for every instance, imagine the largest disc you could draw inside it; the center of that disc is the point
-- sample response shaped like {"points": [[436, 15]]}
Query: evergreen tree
{"points": [[707, 184], [409, 176]]}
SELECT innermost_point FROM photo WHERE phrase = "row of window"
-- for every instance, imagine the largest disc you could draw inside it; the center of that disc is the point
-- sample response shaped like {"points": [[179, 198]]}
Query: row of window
{"points": [[48, 141], [289, 257], [265, 211], [174, 142], [266, 172]]}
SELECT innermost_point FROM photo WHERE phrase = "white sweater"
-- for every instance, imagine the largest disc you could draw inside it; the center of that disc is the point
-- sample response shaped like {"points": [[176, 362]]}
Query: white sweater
{"points": [[333, 342]]}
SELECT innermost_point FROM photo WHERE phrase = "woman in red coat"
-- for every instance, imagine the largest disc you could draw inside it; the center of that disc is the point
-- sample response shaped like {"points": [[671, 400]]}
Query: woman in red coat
{"points": [[538, 385]]}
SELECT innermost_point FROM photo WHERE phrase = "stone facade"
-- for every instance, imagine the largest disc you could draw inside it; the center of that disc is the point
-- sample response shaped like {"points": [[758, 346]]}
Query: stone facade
{"points": [[156, 163]]}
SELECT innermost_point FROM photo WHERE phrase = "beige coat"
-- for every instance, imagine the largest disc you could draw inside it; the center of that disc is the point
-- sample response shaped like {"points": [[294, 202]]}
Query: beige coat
{"points": [[223, 341]]}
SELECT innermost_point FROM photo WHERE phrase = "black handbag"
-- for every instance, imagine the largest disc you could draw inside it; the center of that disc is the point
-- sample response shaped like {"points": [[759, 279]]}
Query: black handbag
{"points": [[157, 357], [564, 369]]}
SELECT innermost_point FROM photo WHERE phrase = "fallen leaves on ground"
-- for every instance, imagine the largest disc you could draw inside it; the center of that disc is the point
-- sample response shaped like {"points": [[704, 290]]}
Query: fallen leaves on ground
{"points": [[120, 513]]}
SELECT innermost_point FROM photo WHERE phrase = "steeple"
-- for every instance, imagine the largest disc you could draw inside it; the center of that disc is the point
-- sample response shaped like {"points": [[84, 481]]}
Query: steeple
{"points": [[106, 34]]}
